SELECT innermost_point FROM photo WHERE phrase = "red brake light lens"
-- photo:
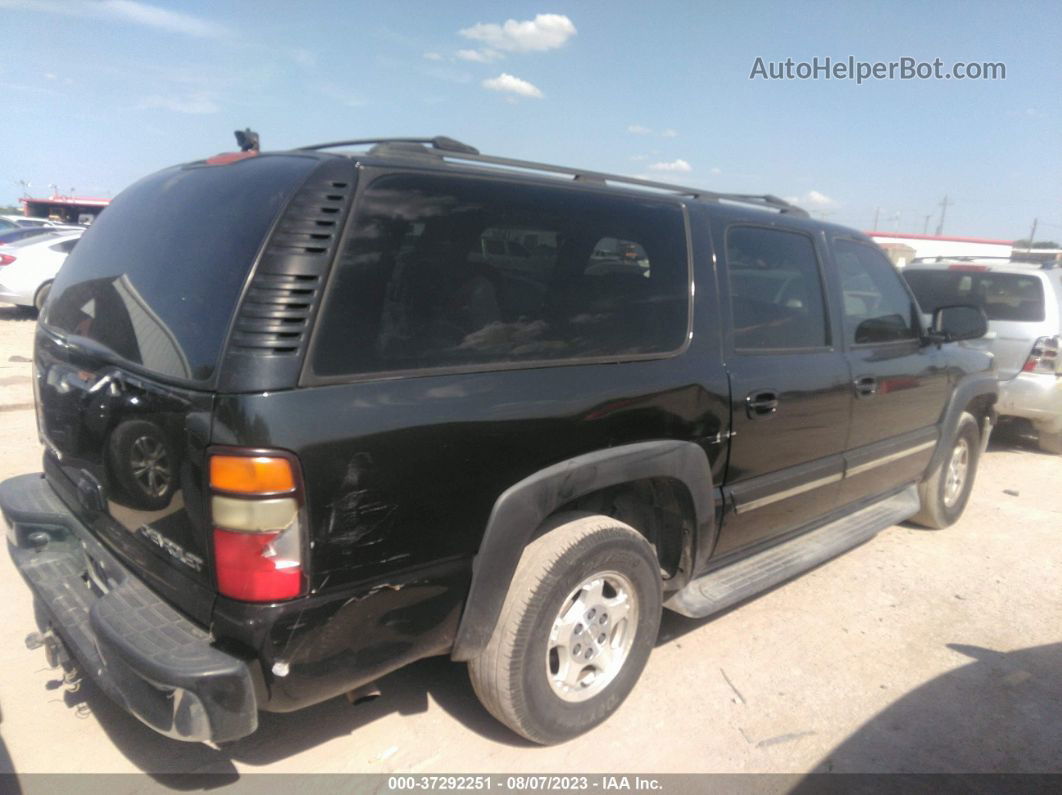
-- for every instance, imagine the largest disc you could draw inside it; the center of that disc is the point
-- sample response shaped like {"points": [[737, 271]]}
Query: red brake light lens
{"points": [[1044, 357], [258, 534], [6, 259], [246, 568]]}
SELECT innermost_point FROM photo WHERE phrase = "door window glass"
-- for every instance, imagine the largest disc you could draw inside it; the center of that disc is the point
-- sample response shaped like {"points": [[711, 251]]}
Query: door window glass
{"points": [[775, 290], [877, 306]]}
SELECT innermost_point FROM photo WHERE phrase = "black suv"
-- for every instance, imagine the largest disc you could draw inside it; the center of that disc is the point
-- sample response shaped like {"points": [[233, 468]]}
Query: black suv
{"points": [[309, 417]]}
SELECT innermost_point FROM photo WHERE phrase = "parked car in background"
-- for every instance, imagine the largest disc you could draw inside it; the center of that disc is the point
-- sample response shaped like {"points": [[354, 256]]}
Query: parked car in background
{"points": [[1023, 303], [28, 266], [9, 236], [22, 220]]}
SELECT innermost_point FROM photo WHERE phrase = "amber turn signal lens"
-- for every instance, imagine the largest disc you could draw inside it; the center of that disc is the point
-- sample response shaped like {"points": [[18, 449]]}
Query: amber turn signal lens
{"points": [[251, 474]]}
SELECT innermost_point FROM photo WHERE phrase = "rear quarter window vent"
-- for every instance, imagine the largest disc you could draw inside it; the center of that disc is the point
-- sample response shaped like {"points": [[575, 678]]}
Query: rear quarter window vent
{"points": [[313, 221], [275, 315], [280, 303]]}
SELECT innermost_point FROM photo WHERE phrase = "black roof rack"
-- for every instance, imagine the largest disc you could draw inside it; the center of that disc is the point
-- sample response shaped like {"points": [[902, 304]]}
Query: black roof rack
{"points": [[440, 142], [455, 150]]}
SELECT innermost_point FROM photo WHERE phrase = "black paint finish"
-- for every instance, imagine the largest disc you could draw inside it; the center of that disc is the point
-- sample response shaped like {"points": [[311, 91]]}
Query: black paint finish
{"points": [[403, 474]]}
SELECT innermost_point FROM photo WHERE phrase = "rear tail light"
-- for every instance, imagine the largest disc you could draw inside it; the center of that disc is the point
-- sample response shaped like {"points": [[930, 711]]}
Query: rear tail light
{"points": [[6, 259], [1044, 357], [256, 509]]}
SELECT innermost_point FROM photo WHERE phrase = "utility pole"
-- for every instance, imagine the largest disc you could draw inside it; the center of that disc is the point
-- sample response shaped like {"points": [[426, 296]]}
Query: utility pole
{"points": [[1032, 235], [925, 226], [877, 210], [943, 210]]}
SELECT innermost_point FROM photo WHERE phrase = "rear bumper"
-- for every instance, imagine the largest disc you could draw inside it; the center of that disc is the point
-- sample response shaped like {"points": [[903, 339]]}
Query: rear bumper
{"points": [[143, 653], [1034, 396]]}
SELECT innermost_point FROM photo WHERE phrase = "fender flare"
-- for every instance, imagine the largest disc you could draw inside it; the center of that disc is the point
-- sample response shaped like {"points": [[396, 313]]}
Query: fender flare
{"points": [[522, 508], [969, 387]]}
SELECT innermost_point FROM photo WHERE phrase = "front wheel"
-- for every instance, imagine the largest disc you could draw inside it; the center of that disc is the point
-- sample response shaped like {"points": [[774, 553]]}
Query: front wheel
{"points": [[945, 492], [575, 631]]}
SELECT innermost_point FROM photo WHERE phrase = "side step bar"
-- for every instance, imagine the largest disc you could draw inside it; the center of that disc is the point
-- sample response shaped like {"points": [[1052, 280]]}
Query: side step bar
{"points": [[731, 584]]}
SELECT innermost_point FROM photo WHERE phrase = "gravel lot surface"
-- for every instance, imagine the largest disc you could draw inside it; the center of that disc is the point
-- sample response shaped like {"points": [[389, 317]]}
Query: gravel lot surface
{"points": [[918, 651]]}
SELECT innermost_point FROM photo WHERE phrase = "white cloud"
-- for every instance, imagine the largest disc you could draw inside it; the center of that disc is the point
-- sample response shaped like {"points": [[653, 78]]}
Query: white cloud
{"points": [[639, 158], [124, 11], [505, 82], [716, 171], [544, 32], [433, 56], [50, 76], [668, 133], [479, 56], [152, 16], [189, 103], [816, 199], [678, 165], [637, 129], [812, 198]]}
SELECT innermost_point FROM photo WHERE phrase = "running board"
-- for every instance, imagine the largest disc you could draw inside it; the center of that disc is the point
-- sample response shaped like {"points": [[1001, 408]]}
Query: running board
{"points": [[731, 584]]}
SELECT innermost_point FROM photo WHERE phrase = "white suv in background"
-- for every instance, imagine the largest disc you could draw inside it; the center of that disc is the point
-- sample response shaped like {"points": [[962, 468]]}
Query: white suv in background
{"points": [[1023, 303]]}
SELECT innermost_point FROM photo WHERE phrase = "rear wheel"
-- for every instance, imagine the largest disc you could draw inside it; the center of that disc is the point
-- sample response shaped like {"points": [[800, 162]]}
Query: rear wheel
{"points": [[41, 296], [946, 491], [1050, 442], [575, 631]]}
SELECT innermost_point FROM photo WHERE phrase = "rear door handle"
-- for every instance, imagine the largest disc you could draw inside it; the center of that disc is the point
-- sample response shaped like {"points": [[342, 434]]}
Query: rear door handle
{"points": [[762, 404], [866, 386]]}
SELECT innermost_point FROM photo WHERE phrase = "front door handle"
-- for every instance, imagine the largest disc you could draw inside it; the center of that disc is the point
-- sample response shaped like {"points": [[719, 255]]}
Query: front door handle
{"points": [[762, 404], [866, 386]]}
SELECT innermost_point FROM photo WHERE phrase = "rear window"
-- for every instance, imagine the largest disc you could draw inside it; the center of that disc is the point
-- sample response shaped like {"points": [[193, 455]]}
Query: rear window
{"points": [[1003, 296], [157, 277], [449, 272]]}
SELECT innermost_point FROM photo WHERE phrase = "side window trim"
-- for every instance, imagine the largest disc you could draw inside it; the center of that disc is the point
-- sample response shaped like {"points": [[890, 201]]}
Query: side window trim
{"points": [[309, 377], [824, 287]]}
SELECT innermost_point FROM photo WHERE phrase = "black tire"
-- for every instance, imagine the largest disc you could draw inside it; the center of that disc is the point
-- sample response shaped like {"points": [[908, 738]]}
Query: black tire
{"points": [[943, 502], [124, 450], [41, 296], [512, 676]]}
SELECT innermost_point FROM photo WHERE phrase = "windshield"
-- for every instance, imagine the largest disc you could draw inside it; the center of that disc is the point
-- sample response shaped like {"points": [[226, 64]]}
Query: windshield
{"points": [[1002, 296], [156, 278]]}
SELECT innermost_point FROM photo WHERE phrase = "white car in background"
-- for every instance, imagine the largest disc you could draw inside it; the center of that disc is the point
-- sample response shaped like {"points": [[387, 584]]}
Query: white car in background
{"points": [[23, 220], [28, 266], [1023, 304]]}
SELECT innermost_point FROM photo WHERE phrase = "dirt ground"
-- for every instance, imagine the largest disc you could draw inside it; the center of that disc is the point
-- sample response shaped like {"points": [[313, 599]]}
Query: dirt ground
{"points": [[918, 651]]}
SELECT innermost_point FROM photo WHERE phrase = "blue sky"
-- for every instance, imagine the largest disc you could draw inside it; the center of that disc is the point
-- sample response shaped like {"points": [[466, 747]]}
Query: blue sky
{"points": [[96, 94]]}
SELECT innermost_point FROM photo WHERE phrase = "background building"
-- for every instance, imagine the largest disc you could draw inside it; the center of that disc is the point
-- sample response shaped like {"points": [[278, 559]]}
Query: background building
{"points": [[69, 209]]}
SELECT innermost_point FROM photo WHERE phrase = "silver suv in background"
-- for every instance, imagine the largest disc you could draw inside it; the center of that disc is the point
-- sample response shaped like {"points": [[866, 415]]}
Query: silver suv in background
{"points": [[1023, 303]]}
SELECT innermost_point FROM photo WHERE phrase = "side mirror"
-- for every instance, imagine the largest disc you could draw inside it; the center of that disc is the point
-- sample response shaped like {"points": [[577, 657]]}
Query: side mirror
{"points": [[954, 323]]}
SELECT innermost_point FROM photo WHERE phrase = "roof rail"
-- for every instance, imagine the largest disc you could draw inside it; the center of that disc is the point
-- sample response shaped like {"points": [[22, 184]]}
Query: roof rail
{"points": [[455, 150], [440, 142]]}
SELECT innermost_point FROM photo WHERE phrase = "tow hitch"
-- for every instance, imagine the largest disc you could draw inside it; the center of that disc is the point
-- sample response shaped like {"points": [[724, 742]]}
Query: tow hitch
{"points": [[54, 650]]}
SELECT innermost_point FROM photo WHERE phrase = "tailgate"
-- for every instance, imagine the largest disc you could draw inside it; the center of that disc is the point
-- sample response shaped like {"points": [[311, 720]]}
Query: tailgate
{"points": [[127, 359], [127, 455]]}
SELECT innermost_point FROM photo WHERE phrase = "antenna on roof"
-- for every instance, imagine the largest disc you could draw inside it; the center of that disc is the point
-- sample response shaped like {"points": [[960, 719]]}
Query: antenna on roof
{"points": [[247, 140]]}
